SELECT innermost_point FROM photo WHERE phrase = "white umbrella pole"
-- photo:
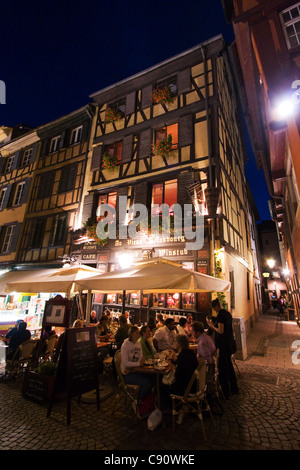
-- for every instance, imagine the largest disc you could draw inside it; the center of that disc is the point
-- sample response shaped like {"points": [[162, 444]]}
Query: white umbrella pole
{"points": [[88, 306]]}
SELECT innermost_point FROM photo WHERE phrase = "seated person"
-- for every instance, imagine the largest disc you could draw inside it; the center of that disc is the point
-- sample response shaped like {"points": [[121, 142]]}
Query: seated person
{"points": [[10, 332], [47, 333], [17, 338], [184, 368], [206, 347], [188, 326], [78, 323], [122, 332], [132, 357], [107, 313], [93, 318], [164, 338], [181, 326], [160, 320], [147, 348], [103, 332], [152, 325]]}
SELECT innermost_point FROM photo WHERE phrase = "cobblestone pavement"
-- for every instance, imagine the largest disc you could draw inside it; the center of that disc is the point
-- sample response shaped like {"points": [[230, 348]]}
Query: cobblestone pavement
{"points": [[264, 416]]}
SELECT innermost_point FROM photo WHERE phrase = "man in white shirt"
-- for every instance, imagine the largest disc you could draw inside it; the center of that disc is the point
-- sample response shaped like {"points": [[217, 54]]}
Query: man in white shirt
{"points": [[165, 337]]}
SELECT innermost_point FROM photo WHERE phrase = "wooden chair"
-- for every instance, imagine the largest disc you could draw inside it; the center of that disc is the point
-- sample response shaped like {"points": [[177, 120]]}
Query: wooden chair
{"points": [[192, 402], [127, 390], [22, 358], [50, 345]]}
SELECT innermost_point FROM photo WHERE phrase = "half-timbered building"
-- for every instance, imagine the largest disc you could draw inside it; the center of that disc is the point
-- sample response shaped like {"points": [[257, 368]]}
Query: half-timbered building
{"points": [[172, 134]]}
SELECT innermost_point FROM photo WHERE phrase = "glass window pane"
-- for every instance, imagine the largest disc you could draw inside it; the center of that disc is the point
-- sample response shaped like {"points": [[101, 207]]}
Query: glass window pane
{"points": [[293, 41], [170, 192], [157, 194], [286, 16], [294, 12], [173, 130]]}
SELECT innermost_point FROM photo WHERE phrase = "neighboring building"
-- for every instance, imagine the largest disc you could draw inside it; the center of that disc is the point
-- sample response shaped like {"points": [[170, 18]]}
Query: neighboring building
{"points": [[186, 106], [19, 150], [268, 45], [54, 206]]}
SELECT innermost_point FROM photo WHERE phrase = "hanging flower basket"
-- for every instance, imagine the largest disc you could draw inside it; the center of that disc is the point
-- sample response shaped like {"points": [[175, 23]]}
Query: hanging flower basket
{"points": [[91, 231], [162, 95], [164, 148], [112, 115], [109, 162]]}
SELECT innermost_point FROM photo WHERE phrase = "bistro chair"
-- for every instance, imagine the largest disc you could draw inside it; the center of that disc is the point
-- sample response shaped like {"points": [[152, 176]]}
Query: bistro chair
{"points": [[192, 402], [22, 358], [127, 390], [50, 345]]}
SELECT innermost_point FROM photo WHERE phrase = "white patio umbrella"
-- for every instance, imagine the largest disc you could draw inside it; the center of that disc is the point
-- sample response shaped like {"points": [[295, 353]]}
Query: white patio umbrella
{"points": [[157, 275], [56, 280]]}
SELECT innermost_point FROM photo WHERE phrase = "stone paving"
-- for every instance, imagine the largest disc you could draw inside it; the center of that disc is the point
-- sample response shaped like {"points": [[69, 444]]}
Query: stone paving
{"points": [[264, 416]]}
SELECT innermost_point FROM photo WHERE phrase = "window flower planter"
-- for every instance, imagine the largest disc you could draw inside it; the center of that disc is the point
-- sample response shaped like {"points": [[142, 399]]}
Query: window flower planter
{"points": [[112, 115], [91, 231], [164, 148], [109, 162], [162, 95]]}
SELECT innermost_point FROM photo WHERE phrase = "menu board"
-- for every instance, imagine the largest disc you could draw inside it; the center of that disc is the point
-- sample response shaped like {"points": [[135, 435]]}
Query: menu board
{"points": [[77, 370]]}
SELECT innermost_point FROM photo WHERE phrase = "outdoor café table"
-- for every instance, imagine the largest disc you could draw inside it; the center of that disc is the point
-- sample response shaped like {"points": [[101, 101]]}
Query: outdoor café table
{"points": [[150, 369]]}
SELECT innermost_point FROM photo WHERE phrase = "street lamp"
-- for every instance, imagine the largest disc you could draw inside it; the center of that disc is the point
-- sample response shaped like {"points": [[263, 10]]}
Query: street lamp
{"points": [[271, 263]]}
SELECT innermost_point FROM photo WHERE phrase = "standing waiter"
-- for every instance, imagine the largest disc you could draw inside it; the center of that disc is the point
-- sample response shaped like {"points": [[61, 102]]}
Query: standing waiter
{"points": [[225, 343]]}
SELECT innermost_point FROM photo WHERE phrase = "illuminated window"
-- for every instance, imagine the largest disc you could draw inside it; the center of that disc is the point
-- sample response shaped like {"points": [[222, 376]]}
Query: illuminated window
{"points": [[165, 193], [111, 199], [290, 19], [115, 149]]}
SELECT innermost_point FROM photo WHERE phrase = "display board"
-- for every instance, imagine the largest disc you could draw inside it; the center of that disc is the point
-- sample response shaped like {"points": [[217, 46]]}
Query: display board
{"points": [[77, 370]]}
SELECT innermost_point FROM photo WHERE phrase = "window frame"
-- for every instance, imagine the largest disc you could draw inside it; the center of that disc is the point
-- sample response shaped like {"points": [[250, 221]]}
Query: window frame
{"points": [[2, 197], [54, 142], [9, 164], [18, 193], [166, 134], [167, 82], [285, 24], [10, 237], [26, 157], [76, 135]]}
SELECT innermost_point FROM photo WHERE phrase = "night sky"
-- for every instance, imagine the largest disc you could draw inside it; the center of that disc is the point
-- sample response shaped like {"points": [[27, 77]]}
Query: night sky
{"points": [[55, 54]]}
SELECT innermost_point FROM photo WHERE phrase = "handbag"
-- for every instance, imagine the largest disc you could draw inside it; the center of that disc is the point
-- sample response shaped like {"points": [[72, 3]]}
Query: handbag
{"points": [[147, 404], [154, 419], [169, 378]]}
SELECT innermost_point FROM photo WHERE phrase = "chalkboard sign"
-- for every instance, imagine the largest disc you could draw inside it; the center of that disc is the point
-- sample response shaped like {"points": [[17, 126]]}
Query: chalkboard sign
{"points": [[57, 312], [37, 387], [77, 370]]}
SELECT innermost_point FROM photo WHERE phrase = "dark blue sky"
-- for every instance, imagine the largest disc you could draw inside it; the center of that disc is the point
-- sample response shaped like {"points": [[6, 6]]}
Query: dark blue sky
{"points": [[55, 54]]}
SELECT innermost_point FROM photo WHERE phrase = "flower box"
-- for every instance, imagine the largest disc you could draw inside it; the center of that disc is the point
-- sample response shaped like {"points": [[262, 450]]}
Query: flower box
{"points": [[162, 95], [164, 148], [109, 162], [112, 115]]}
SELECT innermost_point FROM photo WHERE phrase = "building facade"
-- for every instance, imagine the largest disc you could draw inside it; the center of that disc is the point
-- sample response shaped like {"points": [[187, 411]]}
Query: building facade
{"points": [[268, 45]]}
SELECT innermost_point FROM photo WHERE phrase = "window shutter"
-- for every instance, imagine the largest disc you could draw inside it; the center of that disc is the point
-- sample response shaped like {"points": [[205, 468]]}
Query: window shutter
{"points": [[34, 152], [85, 132], [45, 148], [96, 158], [184, 180], [145, 143], [130, 103], [16, 159], [2, 163], [147, 97], [7, 196], [186, 130], [25, 191], [127, 148], [45, 184], [183, 81], [88, 206], [141, 194], [64, 139], [67, 178], [15, 237]]}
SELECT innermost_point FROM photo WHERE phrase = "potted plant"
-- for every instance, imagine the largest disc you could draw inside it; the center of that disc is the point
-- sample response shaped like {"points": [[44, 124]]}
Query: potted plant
{"points": [[109, 162], [39, 383], [91, 231], [163, 148], [112, 115], [162, 95]]}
